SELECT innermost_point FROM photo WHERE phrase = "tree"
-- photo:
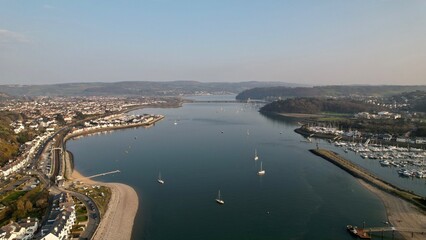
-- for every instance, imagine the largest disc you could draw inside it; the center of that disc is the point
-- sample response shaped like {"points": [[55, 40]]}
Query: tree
{"points": [[79, 115], [60, 119], [28, 206], [20, 205]]}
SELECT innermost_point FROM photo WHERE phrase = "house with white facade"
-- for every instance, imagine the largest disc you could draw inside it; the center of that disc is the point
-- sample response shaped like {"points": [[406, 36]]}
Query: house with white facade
{"points": [[22, 230], [61, 218]]}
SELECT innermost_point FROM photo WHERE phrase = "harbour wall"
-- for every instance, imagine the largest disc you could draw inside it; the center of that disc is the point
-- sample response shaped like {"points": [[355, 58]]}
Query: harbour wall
{"points": [[363, 174]]}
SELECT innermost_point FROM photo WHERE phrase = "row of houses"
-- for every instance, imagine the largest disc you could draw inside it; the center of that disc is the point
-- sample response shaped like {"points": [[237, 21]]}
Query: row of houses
{"points": [[21, 230], [119, 121], [29, 152], [60, 219]]}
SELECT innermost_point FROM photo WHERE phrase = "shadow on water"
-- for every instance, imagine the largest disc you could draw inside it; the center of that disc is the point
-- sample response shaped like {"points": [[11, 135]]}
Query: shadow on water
{"points": [[276, 118]]}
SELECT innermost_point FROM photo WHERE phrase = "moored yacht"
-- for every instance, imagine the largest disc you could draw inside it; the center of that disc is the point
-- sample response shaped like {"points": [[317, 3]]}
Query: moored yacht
{"points": [[256, 157], [159, 180], [261, 171], [219, 200]]}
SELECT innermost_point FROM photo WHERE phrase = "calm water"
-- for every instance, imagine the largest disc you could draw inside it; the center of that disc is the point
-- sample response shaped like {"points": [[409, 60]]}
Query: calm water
{"points": [[212, 147]]}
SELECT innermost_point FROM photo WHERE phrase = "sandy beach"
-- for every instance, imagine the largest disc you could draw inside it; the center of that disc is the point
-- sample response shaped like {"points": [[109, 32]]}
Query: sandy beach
{"points": [[401, 214], [117, 223]]}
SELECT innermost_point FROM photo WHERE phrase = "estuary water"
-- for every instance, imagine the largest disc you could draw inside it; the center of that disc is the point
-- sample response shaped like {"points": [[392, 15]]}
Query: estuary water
{"points": [[203, 147]]}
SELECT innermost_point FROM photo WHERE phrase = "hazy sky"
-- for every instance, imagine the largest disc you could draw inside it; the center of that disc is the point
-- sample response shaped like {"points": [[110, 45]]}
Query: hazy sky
{"points": [[311, 42]]}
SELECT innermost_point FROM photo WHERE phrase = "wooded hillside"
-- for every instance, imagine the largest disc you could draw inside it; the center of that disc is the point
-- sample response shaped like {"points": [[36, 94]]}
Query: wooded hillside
{"points": [[318, 105]]}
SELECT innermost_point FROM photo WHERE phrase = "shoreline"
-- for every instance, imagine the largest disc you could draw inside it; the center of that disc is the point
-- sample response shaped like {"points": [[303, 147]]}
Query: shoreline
{"points": [[405, 211], [301, 115], [400, 213], [104, 129], [118, 220]]}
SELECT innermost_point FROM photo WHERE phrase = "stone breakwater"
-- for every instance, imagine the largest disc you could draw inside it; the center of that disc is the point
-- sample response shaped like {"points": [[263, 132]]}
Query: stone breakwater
{"points": [[368, 177]]}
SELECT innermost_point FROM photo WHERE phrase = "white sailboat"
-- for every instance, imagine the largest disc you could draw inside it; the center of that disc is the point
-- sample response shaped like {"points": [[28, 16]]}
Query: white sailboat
{"points": [[255, 155], [159, 180], [219, 200], [261, 171]]}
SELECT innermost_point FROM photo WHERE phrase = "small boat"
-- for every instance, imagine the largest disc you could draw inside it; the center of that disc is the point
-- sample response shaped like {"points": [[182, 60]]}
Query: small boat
{"points": [[219, 200], [384, 163], [354, 230], [261, 171], [255, 155], [159, 180]]}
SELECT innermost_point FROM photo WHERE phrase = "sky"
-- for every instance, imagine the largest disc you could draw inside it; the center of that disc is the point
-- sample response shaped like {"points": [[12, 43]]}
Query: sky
{"points": [[309, 42]]}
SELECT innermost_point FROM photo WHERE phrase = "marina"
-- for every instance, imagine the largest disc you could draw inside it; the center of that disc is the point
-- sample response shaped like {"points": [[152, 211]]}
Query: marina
{"points": [[408, 162]]}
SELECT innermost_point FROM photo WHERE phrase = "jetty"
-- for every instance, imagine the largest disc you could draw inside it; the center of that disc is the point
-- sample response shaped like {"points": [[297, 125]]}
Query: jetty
{"points": [[100, 174]]}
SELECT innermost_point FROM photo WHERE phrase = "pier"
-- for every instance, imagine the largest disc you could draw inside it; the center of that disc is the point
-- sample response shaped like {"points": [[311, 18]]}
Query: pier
{"points": [[365, 233], [391, 229], [100, 174]]}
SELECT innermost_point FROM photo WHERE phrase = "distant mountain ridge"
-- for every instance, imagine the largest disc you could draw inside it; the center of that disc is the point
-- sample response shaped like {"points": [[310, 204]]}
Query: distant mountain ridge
{"points": [[143, 88], [321, 91]]}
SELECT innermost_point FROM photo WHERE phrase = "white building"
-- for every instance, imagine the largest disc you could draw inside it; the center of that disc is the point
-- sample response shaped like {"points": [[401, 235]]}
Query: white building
{"points": [[22, 230], [61, 218]]}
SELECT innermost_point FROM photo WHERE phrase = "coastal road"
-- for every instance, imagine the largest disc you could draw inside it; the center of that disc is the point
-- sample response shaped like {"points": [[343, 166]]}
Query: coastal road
{"points": [[92, 211]]}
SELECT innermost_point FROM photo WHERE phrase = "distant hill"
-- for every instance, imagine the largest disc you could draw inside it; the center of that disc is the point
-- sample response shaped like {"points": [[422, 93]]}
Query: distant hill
{"points": [[144, 88], [319, 105], [321, 91]]}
